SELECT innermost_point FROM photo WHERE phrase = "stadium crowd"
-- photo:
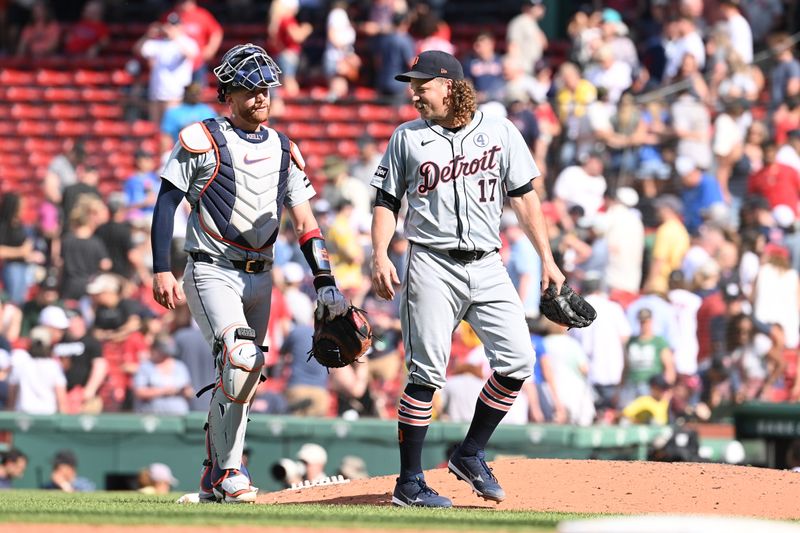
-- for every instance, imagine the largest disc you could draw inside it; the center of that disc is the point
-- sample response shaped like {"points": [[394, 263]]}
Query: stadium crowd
{"points": [[668, 136]]}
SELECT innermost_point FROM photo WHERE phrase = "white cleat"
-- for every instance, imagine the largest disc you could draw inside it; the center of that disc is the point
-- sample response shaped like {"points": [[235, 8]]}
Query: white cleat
{"points": [[235, 487]]}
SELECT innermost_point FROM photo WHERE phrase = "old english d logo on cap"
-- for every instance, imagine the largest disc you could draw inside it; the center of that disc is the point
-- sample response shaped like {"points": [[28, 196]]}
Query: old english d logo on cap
{"points": [[414, 63]]}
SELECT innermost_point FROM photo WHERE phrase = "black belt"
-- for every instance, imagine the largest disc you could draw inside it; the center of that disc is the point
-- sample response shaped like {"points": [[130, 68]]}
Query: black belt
{"points": [[251, 267], [468, 256]]}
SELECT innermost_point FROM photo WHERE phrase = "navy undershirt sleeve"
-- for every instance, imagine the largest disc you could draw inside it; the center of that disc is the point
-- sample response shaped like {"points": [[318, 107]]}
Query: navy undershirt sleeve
{"points": [[167, 202]]}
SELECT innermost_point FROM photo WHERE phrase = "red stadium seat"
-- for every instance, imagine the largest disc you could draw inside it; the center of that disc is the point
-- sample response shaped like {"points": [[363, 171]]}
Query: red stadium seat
{"points": [[62, 94], [379, 130], [24, 94], [300, 112], [43, 144], [408, 112], [332, 112], [91, 94], [365, 93], [34, 127], [111, 144], [92, 77], [371, 112], [144, 128], [106, 111], [121, 77], [49, 78], [347, 148], [303, 130], [40, 159], [12, 145], [28, 111], [17, 77], [339, 130], [73, 128], [111, 127], [67, 111], [7, 128]]}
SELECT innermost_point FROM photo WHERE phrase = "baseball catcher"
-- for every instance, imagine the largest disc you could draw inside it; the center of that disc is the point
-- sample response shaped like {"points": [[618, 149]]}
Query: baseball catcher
{"points": [[567, 308], [341, 340]]}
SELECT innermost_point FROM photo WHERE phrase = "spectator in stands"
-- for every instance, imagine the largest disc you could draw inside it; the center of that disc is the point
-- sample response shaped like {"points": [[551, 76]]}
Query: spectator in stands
{"points": [[16, 249], [369, 157], [141, 188], [117, 323], [81, 358], [36, 384], [116, 235], [740, 81], [341, 64], [286, 36], [12, 466], [653, 406], [699, 191], [646, 355], [691, 124], [789, 153], [189, 111], [519, 86], [46, 294], [629, 132], [524, 38], [603, 344], [582, 185], [156, 479], [306, 386], [88, 36], [569, 366], [62, 171], [625, 237], [686, 39], [10, 322], [41, 35], [340, 186], [350, 385], [775, 296], [162, 385], [523, 263], [754, 356], [690, 77], [86, 185], [195, 353], [671, 242], [741, 36], [346, 252], [609, 73], [432, 32], [203, 28], [484, 69], [777, 182], [784, 76], [615, 35], [64, 475], [83, 254], [685, 304], [171, 54], [393, 52]]}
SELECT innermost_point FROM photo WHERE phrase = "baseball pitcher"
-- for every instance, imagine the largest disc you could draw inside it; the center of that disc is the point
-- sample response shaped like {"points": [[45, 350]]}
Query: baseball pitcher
{"points": [[455, 166]]}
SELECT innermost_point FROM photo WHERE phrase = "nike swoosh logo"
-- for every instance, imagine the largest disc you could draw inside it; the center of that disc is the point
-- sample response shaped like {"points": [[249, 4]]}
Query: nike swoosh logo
{"points": [[248, 161], [427, 142]]}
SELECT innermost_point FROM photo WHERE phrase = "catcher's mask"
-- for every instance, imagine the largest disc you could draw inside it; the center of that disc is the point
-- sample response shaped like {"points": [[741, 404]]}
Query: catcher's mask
{"points": [[247, 66]]}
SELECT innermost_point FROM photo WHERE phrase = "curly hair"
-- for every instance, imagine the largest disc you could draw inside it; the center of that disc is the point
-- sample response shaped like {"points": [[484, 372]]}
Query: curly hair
{"points": [[462, 101]]}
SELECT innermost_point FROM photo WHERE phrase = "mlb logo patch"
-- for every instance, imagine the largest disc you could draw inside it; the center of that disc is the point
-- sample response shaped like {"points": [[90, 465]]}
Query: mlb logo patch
{"points": [[382, 172]]}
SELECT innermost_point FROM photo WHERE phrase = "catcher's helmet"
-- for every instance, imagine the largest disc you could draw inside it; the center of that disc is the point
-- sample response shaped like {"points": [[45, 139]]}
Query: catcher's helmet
{"points": [[248, 66]]}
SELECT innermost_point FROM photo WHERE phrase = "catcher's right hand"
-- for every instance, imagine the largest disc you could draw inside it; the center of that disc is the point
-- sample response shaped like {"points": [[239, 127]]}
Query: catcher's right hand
{"points": [[567, 308]]}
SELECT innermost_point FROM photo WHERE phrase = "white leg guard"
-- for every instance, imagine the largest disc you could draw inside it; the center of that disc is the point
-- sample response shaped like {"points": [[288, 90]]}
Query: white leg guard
{"points": [[239, 362]]}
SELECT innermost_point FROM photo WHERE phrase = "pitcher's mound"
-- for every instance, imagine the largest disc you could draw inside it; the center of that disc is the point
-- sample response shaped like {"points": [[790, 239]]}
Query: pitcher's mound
{"points": [[614, 487]]}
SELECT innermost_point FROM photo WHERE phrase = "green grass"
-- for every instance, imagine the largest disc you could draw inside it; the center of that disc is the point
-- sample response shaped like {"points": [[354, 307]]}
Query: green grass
{"points": [[136, 509]]}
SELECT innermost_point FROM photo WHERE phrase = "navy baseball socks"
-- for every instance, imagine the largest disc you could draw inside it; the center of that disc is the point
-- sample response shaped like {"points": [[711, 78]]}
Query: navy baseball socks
{"points": [[413, 418], [468, 462]]}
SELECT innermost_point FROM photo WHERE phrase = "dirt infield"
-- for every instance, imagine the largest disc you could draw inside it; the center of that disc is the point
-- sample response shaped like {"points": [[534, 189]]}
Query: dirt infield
{"points": [[624, 487], [615, 487]]}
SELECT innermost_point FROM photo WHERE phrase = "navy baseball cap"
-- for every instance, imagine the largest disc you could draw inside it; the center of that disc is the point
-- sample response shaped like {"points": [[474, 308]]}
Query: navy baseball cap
{"points": [[433, 64]]}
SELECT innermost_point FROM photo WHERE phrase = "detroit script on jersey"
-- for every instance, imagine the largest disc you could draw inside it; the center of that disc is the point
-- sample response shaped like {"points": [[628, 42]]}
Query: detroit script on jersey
{"points": [[432, 174]]}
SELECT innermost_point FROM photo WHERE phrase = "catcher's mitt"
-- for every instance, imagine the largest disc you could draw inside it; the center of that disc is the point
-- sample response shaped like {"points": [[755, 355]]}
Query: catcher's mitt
{"points": [[339, 341], [567, 308]]}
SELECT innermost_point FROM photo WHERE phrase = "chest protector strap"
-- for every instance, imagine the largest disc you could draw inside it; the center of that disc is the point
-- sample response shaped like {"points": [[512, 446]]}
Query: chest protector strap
{"points": [[218, 196]]}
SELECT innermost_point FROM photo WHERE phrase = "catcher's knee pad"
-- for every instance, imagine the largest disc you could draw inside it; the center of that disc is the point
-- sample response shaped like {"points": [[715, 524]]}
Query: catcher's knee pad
{"points": [[240, 362]]}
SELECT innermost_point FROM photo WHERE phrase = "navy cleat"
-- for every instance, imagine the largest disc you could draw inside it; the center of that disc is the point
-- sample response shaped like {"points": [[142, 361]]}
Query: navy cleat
{"points": [[416, 493], [475, 471]]}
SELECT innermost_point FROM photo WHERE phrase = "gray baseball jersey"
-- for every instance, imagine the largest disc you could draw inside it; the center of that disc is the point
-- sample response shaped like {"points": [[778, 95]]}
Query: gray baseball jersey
{"points": [[260, 193], [455, 181]]}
